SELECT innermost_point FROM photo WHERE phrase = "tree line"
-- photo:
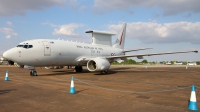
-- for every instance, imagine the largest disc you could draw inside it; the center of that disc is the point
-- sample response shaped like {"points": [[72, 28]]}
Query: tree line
{"points": [[133, 62]]}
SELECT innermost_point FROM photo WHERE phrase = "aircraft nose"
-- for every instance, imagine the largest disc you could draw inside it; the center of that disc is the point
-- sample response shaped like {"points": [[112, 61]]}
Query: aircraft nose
{"points": [[8, 54]]}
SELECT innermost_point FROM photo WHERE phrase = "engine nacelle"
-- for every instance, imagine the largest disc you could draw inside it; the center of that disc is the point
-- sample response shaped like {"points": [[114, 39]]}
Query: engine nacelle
{"points": [[98, 64], [140, 57]]}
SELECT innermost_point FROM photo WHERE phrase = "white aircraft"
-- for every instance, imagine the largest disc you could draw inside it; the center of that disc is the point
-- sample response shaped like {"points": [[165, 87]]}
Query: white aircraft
{"points": [[96, 56]]}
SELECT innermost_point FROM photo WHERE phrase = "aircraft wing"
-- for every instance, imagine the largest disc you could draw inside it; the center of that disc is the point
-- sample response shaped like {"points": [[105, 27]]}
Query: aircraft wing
{"points": [[84, 60], [136, 50], [151, 54]]}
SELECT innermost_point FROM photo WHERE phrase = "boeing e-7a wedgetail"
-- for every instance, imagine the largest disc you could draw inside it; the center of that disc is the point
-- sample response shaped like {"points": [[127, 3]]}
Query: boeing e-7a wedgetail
{"points": [[96, 56]]}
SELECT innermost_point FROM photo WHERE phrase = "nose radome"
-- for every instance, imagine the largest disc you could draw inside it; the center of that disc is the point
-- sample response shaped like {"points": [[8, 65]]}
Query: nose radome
{"points": [[5, 54], [8, 54]]}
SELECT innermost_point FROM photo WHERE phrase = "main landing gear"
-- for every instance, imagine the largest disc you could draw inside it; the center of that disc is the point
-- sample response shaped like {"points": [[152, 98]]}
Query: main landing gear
{"points": [[78, 69], [33, 73], [104, 72]]}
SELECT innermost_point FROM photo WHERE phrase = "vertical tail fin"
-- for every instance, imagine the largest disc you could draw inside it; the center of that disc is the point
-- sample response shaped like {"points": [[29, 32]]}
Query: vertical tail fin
{"points": [[121, 38]]}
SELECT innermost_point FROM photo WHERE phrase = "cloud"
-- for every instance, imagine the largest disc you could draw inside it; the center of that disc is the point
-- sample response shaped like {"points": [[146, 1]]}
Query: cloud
{"points": [[73, 4], [9, 23], [169, 7], [8, 36], [20, 7], [83, 7], [50, 24], [8, 32], [151, 32], [67, 30]]}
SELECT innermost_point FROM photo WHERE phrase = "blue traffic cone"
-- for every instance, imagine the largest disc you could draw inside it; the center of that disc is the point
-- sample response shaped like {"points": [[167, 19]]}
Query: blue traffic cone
{"points": [[193, 101], [6, 77], [72, 88]]}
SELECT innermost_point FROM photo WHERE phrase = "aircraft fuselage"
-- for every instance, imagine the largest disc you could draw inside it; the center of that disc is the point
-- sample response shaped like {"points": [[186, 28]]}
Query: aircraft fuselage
{"points": [[46, 52]]}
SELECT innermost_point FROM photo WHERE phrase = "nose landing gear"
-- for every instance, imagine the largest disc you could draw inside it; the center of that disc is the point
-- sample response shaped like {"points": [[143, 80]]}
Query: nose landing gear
{"points": [[32, 68], [33, 73], [78, 69]]}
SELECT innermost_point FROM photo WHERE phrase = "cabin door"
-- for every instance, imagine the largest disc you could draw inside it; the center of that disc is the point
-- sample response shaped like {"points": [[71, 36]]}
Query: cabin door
{"points": [[47, 48]]}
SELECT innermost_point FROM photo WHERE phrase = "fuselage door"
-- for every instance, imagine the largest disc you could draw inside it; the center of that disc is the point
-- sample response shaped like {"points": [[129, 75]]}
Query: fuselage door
{"points": [[47, 48]]}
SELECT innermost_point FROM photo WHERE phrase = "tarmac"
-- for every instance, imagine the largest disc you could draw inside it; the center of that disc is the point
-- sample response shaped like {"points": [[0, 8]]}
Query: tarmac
{"points": [[123, 89]]}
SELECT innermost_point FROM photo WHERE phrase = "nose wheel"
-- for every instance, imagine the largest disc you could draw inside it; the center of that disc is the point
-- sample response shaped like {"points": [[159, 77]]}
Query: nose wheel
{"points": [[33, 73]]}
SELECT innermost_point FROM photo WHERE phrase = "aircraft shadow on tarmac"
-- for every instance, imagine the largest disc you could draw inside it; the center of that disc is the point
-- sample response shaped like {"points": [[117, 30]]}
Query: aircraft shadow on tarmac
{"points": [[6, 91], [110, 72], [121, 68], [63, 72], [71, 71]]}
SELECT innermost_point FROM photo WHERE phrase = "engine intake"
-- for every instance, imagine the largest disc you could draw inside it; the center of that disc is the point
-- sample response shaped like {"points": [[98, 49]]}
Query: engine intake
{"points": [[98, 64]]}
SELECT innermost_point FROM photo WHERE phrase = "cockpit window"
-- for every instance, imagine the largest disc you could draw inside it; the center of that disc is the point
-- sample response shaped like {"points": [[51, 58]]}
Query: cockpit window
{"points": [[30, 46], [20, 45], [25, 46]]}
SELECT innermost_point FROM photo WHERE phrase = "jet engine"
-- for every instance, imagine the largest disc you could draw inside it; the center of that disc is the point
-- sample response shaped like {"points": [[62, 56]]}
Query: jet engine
{"points": [[98, 64]]}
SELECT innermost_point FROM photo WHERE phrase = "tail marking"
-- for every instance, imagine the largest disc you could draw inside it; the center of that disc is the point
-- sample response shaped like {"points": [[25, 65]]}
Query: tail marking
{"points": [[121, 38]]}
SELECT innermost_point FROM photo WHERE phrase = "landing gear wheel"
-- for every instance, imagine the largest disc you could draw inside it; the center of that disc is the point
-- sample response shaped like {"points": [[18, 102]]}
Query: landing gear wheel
{"points": [[104, 72], [78, 69], [33, 73]]}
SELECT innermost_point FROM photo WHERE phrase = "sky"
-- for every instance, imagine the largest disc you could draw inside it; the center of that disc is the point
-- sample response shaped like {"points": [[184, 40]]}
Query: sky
{"points": [[165, 26]]}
